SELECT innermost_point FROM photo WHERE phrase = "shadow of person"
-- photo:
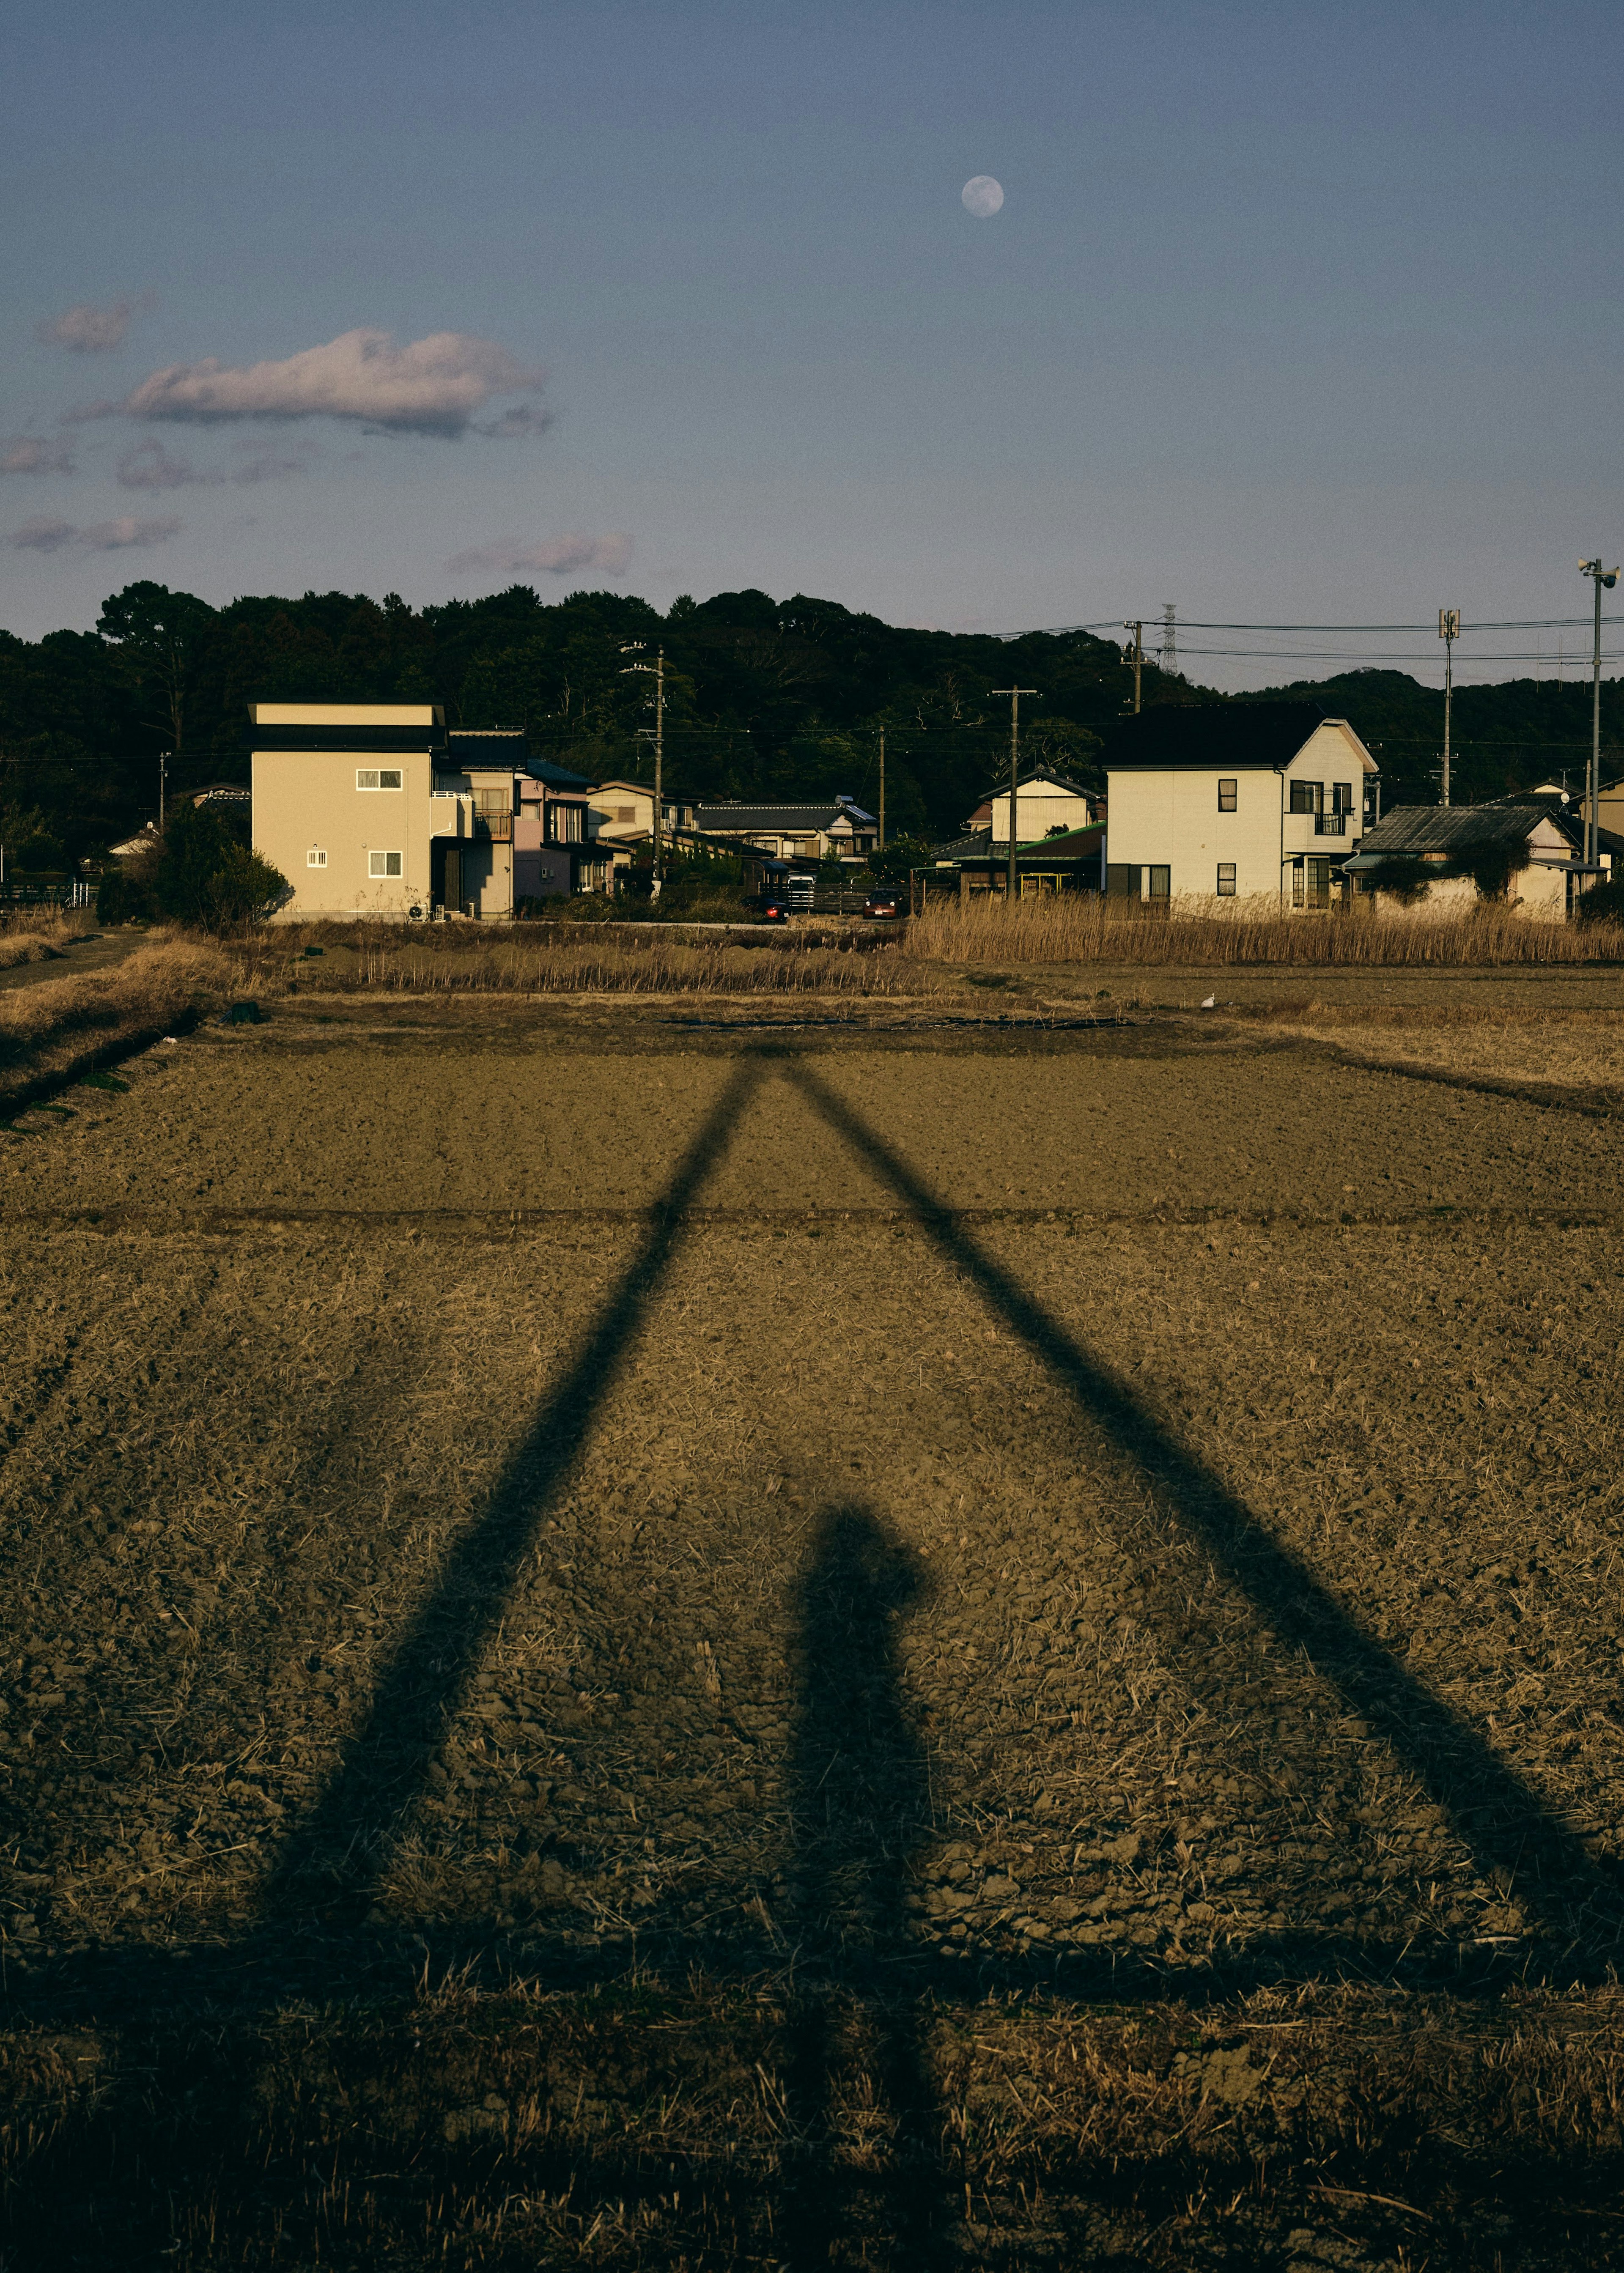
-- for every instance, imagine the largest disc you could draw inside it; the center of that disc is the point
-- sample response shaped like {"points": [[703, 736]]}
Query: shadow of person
{"points": [[866, 2155]]}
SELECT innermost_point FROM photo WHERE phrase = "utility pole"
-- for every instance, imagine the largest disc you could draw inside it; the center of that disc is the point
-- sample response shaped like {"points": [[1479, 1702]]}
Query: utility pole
{"points": [[657, 670], [1014, 693], [1135, 655], [1602, 578], [163, 780], [1449, 631], [882, 789]]}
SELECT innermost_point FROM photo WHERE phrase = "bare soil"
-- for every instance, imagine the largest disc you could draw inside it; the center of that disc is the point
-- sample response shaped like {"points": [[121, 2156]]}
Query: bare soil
{"points": [[674, 1636]]}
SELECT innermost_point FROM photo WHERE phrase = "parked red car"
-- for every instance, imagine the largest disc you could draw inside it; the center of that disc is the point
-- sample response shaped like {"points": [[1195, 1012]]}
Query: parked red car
{"points": [[887, 901]]}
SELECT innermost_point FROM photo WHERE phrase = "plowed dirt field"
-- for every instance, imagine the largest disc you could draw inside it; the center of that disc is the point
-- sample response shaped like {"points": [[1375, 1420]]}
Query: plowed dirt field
{"points": [[633, 1638]]}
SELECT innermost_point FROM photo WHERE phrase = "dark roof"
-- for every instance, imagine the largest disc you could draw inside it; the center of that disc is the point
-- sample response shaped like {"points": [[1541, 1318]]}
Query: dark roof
{"points": [[556, 776], [1416, 829], [1037, 773], [968, 847], [1209, 734], [778, 816]]}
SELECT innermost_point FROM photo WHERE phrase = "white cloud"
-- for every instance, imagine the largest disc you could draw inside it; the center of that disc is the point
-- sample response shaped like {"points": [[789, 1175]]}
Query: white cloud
{"points": [[150, 467], [42, 535], [510, 556], [88, 329], [27, 454], [434, 385]]}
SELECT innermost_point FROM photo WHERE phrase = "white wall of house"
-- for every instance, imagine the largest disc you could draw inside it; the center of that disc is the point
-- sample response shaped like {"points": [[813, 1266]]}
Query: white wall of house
{"points": [[1175, 818]]}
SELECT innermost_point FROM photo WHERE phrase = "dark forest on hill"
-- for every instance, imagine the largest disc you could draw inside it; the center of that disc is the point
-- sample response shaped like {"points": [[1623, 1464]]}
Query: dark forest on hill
{"points": [[764, 698]]}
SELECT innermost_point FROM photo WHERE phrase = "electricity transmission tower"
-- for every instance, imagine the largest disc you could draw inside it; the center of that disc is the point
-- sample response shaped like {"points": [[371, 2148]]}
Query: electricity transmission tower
{"points": [[1169, 637]]}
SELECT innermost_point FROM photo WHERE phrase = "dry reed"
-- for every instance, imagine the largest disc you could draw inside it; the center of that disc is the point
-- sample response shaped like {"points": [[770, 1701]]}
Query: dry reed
{"points": [[1089, 929], [363, 959]]}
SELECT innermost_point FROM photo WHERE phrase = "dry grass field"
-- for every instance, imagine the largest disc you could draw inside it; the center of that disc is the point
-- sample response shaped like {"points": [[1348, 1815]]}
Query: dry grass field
{"points": [[947, 1626]]}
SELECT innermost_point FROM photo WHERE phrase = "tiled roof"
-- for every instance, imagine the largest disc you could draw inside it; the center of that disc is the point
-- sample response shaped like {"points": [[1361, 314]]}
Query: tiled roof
{"points": [[785, 817], [1415, 828]]}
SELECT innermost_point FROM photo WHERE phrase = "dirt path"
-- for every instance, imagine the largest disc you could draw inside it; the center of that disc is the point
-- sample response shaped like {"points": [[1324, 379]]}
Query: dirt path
{"points": [[1114, 1516], [94, 951]]}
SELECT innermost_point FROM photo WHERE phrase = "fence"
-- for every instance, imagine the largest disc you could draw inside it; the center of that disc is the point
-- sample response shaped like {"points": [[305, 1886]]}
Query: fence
{"points": [[77, 894]]}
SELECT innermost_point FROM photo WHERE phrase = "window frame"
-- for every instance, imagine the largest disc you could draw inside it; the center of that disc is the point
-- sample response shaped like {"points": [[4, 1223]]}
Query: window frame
{"points": [[1226, 868], [316, 856], [1228, 792], [386, 875], [1314, 791], [369, 780]]}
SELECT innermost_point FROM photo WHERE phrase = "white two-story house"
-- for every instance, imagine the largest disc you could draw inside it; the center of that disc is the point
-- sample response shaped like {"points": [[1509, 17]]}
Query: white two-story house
{"points": [[1234, 800]]}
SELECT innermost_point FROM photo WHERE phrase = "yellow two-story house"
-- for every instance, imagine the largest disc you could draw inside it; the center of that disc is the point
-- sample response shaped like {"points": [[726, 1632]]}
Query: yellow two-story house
{"points": [[1234, 801]]}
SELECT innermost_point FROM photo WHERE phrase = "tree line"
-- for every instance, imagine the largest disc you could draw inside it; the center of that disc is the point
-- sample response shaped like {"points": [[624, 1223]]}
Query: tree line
{"points": [[764, 699]]}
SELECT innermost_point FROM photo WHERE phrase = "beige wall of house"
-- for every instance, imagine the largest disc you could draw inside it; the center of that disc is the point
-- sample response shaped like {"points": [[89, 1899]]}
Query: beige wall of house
{"points": [[346, 846], [1174, 817], [1037, 811]]}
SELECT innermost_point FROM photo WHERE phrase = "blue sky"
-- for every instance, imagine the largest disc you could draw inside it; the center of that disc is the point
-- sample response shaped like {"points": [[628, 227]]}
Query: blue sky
{"points": [[1293, 314]]}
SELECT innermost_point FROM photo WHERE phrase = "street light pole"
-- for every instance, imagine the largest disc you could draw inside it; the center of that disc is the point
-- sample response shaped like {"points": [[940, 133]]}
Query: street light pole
{"points": [[1014, 693], [1600, 577], [882, 789], [1449, 631]]}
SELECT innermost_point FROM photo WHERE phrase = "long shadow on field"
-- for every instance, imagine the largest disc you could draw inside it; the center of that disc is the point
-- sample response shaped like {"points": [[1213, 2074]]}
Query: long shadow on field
{"points": [[859, 1804], [332, 1860], [1507, 1825]]}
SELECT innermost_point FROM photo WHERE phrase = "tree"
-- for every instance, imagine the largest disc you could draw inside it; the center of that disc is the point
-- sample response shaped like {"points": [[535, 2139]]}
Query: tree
{"points": [[205, 875], [158, 635]]}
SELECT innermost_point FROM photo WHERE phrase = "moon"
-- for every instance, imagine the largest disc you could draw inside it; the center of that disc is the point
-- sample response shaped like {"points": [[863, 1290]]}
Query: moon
{"points": [[983, 196]]}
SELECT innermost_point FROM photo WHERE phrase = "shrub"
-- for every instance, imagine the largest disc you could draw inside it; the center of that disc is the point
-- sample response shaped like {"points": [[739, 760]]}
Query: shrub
{"points": [[121, 898], [1602, 903]]}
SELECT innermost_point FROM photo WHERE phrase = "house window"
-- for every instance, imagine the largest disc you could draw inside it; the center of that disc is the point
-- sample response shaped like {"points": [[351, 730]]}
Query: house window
{"points": [[385, 864], [1121, 880], [315, 858], [1342, 797], [1161, 883], [1226, 880], [1226, 793], [626, 813], [565, 825], [1296, 884], [379, 777], [1307, 796]]}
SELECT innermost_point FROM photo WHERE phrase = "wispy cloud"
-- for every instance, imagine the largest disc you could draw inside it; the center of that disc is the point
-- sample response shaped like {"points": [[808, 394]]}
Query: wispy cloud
{"points": [[511, 556], [88, 329], [43, 534], [150, 467], [434, 385], [27, 454]]}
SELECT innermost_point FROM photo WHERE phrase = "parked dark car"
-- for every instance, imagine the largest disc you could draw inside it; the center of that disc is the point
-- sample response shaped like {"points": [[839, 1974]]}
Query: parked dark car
{"points": [[887, 901]]}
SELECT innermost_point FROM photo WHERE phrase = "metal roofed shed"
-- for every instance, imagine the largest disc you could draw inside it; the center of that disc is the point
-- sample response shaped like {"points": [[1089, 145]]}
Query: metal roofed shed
{"points": [[1524, 853]]}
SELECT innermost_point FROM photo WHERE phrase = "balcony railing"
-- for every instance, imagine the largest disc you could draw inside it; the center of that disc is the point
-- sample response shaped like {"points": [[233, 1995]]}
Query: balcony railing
{"points": [[1330, 824], [497, 826]]}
